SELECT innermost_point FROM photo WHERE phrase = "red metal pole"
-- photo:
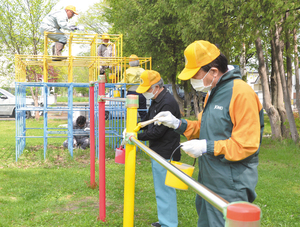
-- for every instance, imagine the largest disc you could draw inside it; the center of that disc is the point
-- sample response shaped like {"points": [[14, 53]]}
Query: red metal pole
{"points": [[92, 136], [102, 210]]}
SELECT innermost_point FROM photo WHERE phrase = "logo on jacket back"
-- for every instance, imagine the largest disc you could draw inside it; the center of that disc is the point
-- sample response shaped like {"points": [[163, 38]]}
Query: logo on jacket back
{"points": [[218, 107]]}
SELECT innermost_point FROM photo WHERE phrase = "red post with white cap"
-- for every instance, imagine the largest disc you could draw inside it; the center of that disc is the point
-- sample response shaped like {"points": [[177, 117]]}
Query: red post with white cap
{"points": [[242, 214], [92, 136], [101, 103]]}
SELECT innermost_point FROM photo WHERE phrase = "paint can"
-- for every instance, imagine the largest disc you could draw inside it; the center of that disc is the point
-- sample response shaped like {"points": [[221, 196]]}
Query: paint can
{"points": [[172, 180], [120, 155]]}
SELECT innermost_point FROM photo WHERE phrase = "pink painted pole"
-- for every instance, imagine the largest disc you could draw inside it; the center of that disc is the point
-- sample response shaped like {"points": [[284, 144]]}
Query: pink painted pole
{"points": [[102, 210], [92, 136]]}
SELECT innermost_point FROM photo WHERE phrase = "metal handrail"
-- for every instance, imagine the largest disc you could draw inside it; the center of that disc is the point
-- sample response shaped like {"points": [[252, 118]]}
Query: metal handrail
{"points": [[113, 99], [211, 197]]}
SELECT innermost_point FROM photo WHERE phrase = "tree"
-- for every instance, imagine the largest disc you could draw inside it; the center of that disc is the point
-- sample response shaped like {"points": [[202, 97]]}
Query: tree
{"points": [[150, 29], [270, 109], [163, 29], [296, 63], [19, 28], [94, 18]]}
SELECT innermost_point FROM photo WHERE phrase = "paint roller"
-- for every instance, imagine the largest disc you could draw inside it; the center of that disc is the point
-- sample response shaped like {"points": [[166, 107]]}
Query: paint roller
{"points": [[143, 124]]}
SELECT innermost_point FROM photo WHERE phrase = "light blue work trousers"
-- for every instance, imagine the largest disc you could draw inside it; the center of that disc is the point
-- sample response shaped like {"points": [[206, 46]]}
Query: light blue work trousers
{"points": [[165, 197], [58, 37]]}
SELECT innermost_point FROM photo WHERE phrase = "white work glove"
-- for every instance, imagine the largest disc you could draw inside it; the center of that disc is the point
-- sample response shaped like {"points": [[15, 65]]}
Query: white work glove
{"points": [[74, 143], [123, 141], [194, 148], [124, 133], [73, 27], [80, 28], [87, 129], [166, 118]]}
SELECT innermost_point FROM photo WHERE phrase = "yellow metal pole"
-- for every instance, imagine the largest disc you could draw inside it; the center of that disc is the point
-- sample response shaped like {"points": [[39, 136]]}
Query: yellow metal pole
{"points": [[70, 70], [70, 43], [121, 45], [45, 63], [132, 103], [45, 42]]}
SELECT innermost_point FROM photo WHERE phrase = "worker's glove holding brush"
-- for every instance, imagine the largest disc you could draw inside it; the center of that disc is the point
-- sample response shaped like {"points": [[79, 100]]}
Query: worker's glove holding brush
{"points": [[167, 118]]}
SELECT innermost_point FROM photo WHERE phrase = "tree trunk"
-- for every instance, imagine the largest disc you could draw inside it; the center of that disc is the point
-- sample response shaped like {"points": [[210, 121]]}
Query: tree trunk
{"points": [[187, 100], [273, 80], [172, 78], [243, 60], [287, 100], [289, 69], [34, 94], [297, 87], [177, 98], [270, 109], [196, 99], [278, 96]]}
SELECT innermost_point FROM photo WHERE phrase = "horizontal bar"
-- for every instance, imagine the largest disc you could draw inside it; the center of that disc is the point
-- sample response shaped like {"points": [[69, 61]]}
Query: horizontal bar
{"points": [[113, 99], [214, 199]]}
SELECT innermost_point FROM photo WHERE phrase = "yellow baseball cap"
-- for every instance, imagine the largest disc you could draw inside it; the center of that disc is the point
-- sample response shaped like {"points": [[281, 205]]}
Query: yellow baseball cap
{"points": [[148, 78], [133, 57], [72, 8], [198, 54], [105, 36]]}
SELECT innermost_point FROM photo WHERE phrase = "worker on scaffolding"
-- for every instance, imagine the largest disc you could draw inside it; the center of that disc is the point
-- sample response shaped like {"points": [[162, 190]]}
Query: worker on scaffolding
{"points": [[81, 141], [106, 50], [54, 22], [132, 77]]}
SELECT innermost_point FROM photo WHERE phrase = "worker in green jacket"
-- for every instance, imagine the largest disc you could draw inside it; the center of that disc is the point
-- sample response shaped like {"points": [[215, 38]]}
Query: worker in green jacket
{"points": [[228, 133]]}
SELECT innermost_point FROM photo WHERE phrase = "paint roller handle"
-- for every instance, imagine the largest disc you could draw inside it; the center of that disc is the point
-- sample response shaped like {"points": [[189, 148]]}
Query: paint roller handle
{"points": [[145, 123]]}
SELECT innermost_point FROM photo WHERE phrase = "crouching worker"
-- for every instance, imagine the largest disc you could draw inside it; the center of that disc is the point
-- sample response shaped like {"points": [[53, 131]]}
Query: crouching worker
{"points": [[80, 141], [53, 23]]}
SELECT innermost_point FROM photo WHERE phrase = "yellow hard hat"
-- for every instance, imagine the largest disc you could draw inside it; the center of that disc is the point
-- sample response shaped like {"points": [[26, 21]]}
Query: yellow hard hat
{"points": [[105, 36], [72, 8], [133, 57]]}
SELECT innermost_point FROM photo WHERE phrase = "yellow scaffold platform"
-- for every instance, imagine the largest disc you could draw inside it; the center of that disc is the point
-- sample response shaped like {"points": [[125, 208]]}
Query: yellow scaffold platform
{"points": [[117, 63]]}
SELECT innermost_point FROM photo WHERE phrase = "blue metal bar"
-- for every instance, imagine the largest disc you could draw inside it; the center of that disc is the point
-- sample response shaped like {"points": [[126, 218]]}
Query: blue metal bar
{"points": [[45, 90], [70, 119]]}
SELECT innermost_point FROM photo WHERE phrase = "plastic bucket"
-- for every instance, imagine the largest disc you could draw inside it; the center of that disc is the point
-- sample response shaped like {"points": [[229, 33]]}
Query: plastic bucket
{"points": [[173, 181], [116, 93], [112, 76], [120, 155]]}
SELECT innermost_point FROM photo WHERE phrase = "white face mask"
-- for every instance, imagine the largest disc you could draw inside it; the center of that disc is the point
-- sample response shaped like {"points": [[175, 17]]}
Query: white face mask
{"points": [[198, 84], [149, 95]]}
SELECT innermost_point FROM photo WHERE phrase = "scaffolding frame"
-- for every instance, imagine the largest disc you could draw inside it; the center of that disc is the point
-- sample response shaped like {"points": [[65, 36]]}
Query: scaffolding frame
{"points": [[117, 64]]}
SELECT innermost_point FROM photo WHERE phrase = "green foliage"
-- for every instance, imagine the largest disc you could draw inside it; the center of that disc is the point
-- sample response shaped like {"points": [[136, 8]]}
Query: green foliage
{"points": [[75, 99], [150, 29], [20, 22], [94, 19]]}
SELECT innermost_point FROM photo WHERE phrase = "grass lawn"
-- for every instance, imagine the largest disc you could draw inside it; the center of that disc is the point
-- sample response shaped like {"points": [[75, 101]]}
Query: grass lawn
{"points": [[53, 192]]}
